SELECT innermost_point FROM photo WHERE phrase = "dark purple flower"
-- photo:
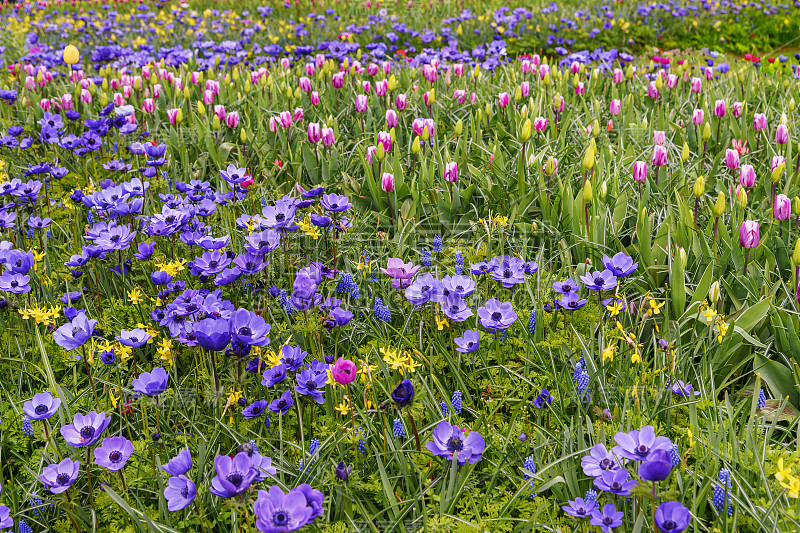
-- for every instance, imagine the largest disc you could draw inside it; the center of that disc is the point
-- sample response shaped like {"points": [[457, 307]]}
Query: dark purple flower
{"points": [[449, 441], [212, 334], [335, 203], [283, 403], [274, 375], [249, 328], [672, 517], [113, 453], [469, 342], [234, 475], [311, 384], [342, 471], [566, 287], [255, 409], [277, 511], [403, 394], [683, 389], [571, 302], [656, 467], [85, 430], [59, 477], [580, 508], [134, 338]]}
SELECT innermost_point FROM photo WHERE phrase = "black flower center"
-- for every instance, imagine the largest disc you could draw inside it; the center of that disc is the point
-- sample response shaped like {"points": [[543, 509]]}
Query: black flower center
{"points": [[245, 331], [235, 478], [497, 315], [87, 432], [280, 518], [641, 450], [255, 409], [115, 456], [606, 463], [455, 444], [599, 281], [40, 409], [669, 524], [280, 217], [62, 479]]}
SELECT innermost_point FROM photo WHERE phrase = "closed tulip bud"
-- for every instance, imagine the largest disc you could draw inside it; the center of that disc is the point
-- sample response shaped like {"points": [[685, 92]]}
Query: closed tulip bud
{"points": [[380, 152], [431, 96], [682, 257], [415, 145], [186, 93], [719, 205], [741, 197], [588, 159], [524, 111], [459, 128], [426, 135], [546, 79], [488, 109], [796, 253], [392, 135], [792, 104], [778, 172], [216, 124], [699, 187], [740, 76], [796, 206], [587, 192], [603, 190], [387, 182], [629, 72], [517, 95], [243, 136], [392, 83], [103, 99], [706, 131], [201, 109], [451, 172], [685, 152], [71, 55], [595, 128], [749, 236], [263, 80], [525, 134], [659, 81], [782, 208], [247, 87], [714, 292]]}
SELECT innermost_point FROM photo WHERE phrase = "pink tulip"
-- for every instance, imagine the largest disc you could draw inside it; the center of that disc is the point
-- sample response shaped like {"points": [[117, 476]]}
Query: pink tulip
{"points": [[148, 106], [371, 154], [698, 116], [540, 124], [503, 99], [615, 107], [314, 97], [219, 110], [391, 118], [782, 208], [284, 63], [417, 126], [652, 90], [526, 66], [458, 69], [44, 103], [697, 85], [401, 102], [337, 80], [429, 73], [782, 134], [126, 92], [157, 90], [427, 98], [361, 103], [366, 86], [747, 176], [328, 138], [382, 87], [286, 119], [387, 182], [720, 108], [575, 67], [749, 234], [30, 83], [460, 96], [558, 104], [208, 97], [66, 102], [639, 171], [387, 67], [617, 76], [172, 115], [736, 109], [759, 121], [86, 96], [543, 71], [580, 89], [298, 114], [314, 133], [431, 125], [660, 137], [273, 124], [319, 60], [525, 88], [310, 69], [232, 120], [384, 139], [731, 159], [709, 73], [451, 172], [659, 156], [305, 84], [777, 161], [672, 81]]}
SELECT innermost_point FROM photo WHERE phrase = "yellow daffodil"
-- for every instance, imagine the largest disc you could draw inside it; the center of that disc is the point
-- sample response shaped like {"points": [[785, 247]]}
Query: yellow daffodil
{"points": [[608, 353], [788, 480], [722, 329], [653, 307], [136, 295], [709, 313], [41, 315], [615, 307], [441, 323], [344, 407]]}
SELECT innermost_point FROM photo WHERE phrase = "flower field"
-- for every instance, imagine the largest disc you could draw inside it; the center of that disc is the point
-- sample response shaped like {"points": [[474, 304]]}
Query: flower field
{"points": [[413, 266]]}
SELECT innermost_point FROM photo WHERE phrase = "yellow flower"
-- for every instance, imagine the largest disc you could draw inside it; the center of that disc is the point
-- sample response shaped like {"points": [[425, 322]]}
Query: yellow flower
{"points": [[709, 313], [344, 407], [441, 323], [114, 399], [123, 352], [722, 328], [136, 295], [787, 480], [400, 361], [165, 352], [654, 308], [41, 315], [615, 307], [608, 353], [691, 437]]}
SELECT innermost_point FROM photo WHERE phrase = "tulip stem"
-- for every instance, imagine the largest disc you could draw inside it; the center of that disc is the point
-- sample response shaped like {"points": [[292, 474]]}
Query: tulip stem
{"points": [[746, 258]]}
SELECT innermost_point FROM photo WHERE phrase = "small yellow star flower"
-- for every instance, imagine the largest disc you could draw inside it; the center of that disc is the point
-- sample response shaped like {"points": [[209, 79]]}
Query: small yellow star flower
{"points": [[441, 323], [136, 295], [608, 353]]}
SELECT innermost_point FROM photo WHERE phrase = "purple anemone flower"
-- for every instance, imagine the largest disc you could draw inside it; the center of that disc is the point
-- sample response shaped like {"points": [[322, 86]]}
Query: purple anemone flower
{"points": [[85, 430], [5, 518], [274, 375], [277, 511], [255, 409], [180, 493], [311, 384], [456, 309], [571, 302], [683, 389], [401, 273], [113, 453], [283, 403], [263, 465], [636, 445], [249, 328], [608, 518], [600, 281], [580, 508], [598, 461], [41, 406], [151, 383], [656, 467], [75, 333], [212, 334], [59, 477], [335, 203], [449, 441], [620, 265], [234, 475], [468, 342], [566, 287], [180, 464], [134, 338], [234, 175], [672, 517], [615, 482], [496, 316]]}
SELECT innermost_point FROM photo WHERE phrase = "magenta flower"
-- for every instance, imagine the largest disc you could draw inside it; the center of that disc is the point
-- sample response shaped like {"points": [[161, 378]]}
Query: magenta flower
{"points": [[749, 234], [401, 273]]}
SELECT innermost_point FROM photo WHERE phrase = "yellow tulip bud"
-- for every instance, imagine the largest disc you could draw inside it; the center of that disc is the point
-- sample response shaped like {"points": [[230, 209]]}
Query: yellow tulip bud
{"points": [[603, 190], [546, 79], [706, 131], [699, 187], [796, 253], [415, 145], [791, 103], [682, 256], [714, 292], [71, 55], [550, 168], [459, 30], [243, 136], [659, 81], [524, 111], [629, 72], [488, 109], [215, 123], [235, 73], [392, 83], [685, 152], [525, 134], [392, 135], [179, 116], [517, 94], [741, 197], [459, 128], [186, 93], [104, 99], [796, 206], [778, 172], [587, 192], [380, 153], [719, 205], [425, 134], [247, 87], [588, 159], [201, 109], [595, 129]]}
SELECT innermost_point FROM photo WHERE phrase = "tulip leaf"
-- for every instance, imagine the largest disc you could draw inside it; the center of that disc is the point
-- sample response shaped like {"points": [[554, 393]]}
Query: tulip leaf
{"points": [[777, 376]]}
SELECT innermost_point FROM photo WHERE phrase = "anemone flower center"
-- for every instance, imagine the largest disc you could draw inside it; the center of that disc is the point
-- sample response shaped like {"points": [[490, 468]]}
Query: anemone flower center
{"points": [[235, 478], [497, 315], [669, 524], [40, 409], [599, 281], [87, 432], [185, 492], [607, 520], [455, 444], [280, 518], [255, 409], [641, 450], [115, 456], [606, 463], [62, 479], [245, 331]]}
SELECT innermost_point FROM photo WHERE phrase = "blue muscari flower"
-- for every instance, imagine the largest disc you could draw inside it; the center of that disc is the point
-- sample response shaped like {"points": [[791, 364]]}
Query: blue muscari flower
{"points": [[266, 422], [373, 278], [300, 465], [721, 491], [35, 503], [24, 527], [425, 258], [459, 261], [675, 455], [344, 284], [581, 378], [313, 446], [532, 322], [381, 311], [456, 401], [397, 429], [591, 494], [443, 407], [362, 443], [437, 245], [530, 466], [286, 305], [27, 427], [762, 399]]}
